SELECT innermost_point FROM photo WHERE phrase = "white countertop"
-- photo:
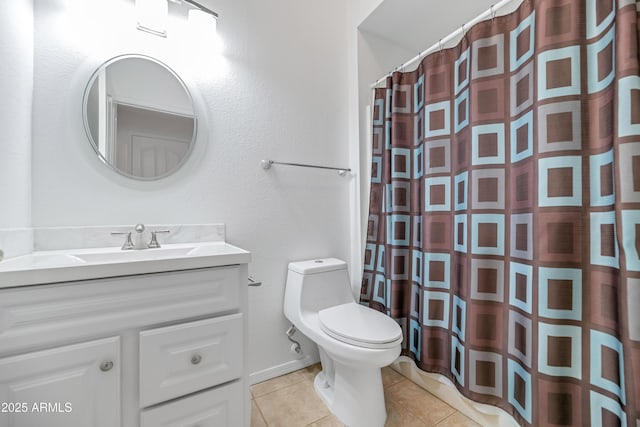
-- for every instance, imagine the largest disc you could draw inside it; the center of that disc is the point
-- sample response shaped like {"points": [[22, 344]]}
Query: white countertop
{"points": [[68, 265]]}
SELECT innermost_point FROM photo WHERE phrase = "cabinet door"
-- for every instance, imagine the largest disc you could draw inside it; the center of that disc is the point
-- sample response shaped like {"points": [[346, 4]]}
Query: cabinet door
{"points": [[220, 407], [71, 386]]}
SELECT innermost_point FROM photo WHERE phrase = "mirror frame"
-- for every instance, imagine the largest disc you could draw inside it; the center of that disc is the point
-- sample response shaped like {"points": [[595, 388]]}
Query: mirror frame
{"points": [[87, 129]]}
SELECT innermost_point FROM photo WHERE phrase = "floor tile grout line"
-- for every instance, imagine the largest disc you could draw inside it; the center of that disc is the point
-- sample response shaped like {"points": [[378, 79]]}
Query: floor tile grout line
{"points": [[319, 419], [264, 419], [255, 399], [394, 383], [445, 418], [282, 388], [425, 391], [278, 389]]}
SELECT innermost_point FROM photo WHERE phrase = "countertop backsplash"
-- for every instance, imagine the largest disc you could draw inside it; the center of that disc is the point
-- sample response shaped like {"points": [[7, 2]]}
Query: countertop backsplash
{"points": [[16, 241], [58, 238]]}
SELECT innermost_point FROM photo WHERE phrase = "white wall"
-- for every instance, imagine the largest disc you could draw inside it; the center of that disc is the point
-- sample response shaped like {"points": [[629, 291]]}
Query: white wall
{"points": [[357, 11], [16, 87], [376, 57], [365, 65], [279, 92]]}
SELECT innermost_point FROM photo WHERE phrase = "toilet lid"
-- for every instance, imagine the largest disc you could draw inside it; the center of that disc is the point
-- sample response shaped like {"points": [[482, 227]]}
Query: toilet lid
{"points": [[360, 326]]}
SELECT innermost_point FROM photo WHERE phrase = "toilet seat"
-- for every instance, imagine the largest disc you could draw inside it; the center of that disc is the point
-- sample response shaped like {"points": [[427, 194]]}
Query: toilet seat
{"points": [[360, 326]]}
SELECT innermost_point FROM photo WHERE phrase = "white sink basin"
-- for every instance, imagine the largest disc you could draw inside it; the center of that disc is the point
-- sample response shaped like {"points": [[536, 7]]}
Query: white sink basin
{"points": [[110, 255], [86, 264], [39, 260]]}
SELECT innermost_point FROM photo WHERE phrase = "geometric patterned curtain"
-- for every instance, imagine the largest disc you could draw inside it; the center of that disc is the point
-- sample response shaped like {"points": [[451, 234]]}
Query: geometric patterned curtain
{"points": [[504, 224]]}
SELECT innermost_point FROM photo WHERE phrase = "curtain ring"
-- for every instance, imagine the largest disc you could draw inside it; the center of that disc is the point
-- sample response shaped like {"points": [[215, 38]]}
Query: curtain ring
{"points": [[440, 45], [493, 13], [464, 32]]}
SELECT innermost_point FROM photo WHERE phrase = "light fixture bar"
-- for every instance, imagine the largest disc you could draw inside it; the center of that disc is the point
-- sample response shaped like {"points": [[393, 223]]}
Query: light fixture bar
{"points": [[201, 7], [152, 16]]}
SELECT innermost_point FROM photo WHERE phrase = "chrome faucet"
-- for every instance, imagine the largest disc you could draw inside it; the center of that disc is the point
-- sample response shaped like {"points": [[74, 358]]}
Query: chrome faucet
{"points": [[137, 242], [128, 243]]}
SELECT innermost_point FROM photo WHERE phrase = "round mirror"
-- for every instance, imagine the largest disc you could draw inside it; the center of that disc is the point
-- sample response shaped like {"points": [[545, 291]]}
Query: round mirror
{"points": [[139, 117]]}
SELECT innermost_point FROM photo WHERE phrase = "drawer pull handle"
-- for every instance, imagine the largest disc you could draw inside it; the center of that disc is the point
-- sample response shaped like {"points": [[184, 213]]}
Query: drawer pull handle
{"points": [[106, 366], [196, 359]]}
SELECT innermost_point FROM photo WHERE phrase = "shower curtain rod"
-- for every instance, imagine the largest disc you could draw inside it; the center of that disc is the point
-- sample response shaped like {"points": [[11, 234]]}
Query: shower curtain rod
{"points": [[491, 12]]}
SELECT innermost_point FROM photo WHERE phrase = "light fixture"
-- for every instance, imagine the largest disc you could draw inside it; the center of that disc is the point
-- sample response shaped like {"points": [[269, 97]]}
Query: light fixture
{"points": [[203, 22], [203, 25], [200, 7], [152, 16]]}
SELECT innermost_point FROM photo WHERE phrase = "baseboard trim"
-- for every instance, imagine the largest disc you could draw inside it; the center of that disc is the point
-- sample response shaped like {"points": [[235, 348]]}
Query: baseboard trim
{"points": [[285, 368]]}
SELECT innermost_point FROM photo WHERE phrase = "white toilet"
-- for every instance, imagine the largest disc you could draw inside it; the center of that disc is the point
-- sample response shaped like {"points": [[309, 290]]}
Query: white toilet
{"points": [[355, 342]]}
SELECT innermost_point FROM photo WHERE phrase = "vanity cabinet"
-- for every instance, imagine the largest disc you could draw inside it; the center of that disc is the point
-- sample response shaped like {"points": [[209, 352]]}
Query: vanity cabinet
{"points": [[149, 350]]}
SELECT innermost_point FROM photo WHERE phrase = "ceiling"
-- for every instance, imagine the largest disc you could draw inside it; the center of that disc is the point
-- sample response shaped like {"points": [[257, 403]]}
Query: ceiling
{"points": [[418, 24]]}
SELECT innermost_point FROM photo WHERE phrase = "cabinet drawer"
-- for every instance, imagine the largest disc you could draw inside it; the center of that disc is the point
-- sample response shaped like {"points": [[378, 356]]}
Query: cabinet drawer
{"points": [[220, 407], [182, 359], [49, 314], [81, 381]]}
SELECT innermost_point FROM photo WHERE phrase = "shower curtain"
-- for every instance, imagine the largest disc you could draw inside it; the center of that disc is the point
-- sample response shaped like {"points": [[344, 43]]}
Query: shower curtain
{"points": [[504, 223]]}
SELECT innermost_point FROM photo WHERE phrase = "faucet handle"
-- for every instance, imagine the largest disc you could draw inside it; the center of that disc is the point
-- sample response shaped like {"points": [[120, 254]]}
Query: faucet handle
{"points": [[128, 243], [154, 238]]}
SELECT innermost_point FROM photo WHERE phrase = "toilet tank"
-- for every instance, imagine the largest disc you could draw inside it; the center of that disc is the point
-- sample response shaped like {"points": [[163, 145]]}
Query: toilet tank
{"points": [[314, 285]]}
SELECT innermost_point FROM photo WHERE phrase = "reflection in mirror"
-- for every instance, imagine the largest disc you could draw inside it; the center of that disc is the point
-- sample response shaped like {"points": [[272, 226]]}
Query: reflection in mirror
{"points": [[139, 117]]}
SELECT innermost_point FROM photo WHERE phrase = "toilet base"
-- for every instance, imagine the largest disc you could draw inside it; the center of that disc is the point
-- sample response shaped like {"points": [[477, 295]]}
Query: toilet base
{"points": [[354, 395]]}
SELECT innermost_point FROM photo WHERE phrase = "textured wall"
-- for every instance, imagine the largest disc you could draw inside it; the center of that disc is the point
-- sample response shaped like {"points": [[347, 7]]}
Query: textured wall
{"points": [[16, 87]]}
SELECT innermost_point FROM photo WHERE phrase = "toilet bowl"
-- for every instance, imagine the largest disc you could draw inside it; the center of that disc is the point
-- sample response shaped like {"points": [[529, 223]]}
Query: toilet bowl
{"points": [[354, 341]]}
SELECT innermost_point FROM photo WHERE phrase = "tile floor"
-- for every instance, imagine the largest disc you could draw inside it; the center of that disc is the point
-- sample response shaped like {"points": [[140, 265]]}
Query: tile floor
{"points": [[291, 401]]}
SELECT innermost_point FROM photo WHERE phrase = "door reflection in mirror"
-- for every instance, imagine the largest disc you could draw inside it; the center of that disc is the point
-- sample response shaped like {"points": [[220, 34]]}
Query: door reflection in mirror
{"points": [[139, 117]]}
